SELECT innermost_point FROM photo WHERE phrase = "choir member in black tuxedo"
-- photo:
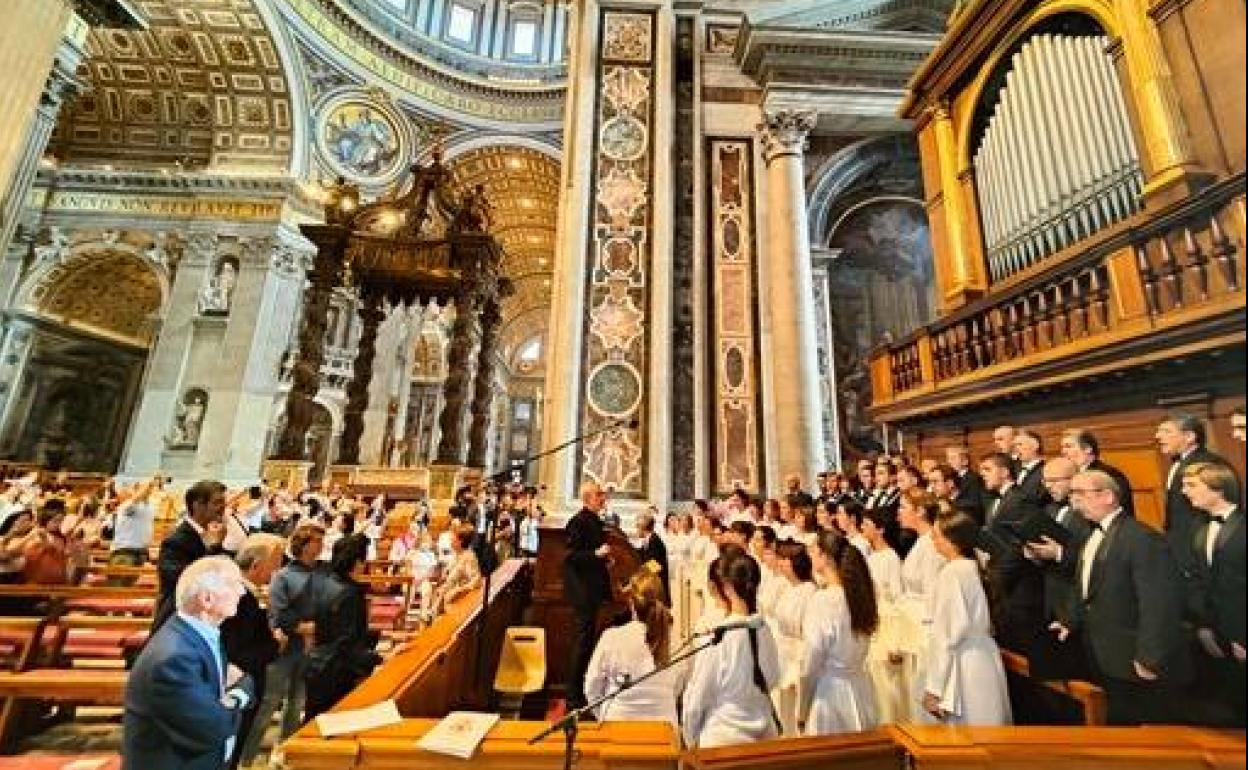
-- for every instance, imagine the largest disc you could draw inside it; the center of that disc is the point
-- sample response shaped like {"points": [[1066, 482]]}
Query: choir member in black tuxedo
{"points": [[1215, 593], [1081, 448], [1182, 439], [1050, 660], [885, 498], [1018, 581], [1129, 608], [971, 493], [247, 637], [652, 549], [586, 583], [1003, 440], [1029, 470]]}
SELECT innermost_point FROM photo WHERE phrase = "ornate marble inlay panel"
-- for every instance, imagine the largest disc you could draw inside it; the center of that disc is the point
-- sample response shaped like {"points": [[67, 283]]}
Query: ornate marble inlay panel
{"points": [[685, 289], [734, 356], [616, 347]]}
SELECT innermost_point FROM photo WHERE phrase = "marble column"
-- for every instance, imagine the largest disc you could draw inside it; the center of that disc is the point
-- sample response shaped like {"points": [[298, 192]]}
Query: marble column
{"points": [[371, 316], [306, 375], [459, 375], [794, 403], [415, 320], [483, 386], [61, 85]]}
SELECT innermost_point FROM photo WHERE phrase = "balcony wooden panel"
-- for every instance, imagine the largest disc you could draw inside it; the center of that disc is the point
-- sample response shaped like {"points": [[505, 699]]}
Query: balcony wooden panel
{"points": [[1153, 288]]}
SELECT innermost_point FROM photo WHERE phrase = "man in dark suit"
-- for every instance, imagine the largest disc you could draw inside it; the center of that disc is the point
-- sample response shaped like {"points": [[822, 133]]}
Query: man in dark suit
{"points": [[651, 548], [1051, 660], [970, 496], [586, 584], [1128, 609], [1029, 470], [1216, 586], [198, 535], [1003, 441], [1019, 581], [1081, 448], [1182, 439], [248, 639], [183, 701]]}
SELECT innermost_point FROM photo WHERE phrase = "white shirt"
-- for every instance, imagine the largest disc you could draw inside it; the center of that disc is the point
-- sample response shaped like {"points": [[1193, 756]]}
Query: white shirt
{"points": [[885, 568], [722, 704], [623, 655], [1215, 527], [1091, 548], [1174, 467]]}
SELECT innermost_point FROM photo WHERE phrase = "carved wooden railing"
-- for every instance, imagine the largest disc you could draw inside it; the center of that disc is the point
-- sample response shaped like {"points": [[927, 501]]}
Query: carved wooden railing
{"points": [[1158, 272]]}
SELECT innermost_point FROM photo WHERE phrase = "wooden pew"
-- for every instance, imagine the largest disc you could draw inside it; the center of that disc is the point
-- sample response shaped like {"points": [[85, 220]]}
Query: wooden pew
{"points": [[937, 747], [1086, 697]]}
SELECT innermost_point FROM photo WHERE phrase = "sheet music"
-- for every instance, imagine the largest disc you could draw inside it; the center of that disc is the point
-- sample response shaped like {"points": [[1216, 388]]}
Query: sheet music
{"points": [[459, 734], [358, 720]]}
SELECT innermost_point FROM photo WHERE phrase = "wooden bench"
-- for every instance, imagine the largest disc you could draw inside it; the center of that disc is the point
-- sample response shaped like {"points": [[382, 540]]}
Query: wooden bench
{"points": [[1089, 697]]}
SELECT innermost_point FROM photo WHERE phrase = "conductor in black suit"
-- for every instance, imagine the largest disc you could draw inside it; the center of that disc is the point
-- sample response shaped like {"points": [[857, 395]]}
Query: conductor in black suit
{"points": [[652, 549], [1216, 586], [586, 584], [1182, 439], [199, 534], [1128, 609]]}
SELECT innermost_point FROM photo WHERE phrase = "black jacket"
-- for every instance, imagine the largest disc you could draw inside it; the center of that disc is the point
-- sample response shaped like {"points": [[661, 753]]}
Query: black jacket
{"points": [[1134, 607], [178, 550], [1216, 591], [1181, 518], [971, 495], [1059, 588], [248, 640], [1031, 484], [586, 582], [1019, 582]]}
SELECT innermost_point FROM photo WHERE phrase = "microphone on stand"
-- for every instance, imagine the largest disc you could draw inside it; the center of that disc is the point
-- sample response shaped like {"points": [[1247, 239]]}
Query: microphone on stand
{"points": [[752, 623]]}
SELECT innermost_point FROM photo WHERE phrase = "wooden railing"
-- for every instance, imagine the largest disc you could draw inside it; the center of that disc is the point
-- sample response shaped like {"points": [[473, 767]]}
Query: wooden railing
{"points": [[1156, 275]]}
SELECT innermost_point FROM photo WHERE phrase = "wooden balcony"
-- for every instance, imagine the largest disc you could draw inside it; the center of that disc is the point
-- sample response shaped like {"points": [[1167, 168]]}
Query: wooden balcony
{"points": [[1162, 285]]}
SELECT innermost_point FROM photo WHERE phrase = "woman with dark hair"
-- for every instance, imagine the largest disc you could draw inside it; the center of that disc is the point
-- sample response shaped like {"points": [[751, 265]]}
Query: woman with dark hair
{"points": [[343, 655], [634, 650], [837, 628], [728, 699], [964, 680], [848, 519], [792, 599], [805, 524]]}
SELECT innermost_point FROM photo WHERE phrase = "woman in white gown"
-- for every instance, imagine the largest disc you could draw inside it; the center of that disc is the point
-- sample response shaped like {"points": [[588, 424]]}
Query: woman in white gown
{"points": [[919, 571], [840, 619], [797, 585], [726, 702], [849, 515], [964, 682], [632, 651]]}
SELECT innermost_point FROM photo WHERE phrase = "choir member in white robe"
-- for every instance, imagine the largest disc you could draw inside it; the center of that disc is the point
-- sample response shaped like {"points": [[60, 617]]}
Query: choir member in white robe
{"points": [[632, 651], [964, 681], [917, 512], [763, 549], [726, 701], [839, 621], [797, 586], [886, 665], [882, 560], [849, 515]]}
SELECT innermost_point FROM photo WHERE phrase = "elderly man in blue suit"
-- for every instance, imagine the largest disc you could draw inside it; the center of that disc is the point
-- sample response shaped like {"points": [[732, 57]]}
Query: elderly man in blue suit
{"points": [[184, 700]]}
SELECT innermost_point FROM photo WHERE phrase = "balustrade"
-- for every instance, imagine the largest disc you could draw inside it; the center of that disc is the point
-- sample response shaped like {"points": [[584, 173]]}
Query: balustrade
{"points": [[1184, 266]]}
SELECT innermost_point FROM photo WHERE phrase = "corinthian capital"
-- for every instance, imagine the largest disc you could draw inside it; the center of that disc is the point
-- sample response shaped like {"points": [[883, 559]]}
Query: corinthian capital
{"points": [[784, 132]]}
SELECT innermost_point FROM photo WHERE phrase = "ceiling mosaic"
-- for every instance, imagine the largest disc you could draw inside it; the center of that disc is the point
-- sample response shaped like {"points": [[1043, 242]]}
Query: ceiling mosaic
{"points": [[203, 86], [522, 186]]}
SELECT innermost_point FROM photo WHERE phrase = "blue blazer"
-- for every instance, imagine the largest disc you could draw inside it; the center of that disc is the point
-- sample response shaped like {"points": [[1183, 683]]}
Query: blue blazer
{"points": [[173, 712]]}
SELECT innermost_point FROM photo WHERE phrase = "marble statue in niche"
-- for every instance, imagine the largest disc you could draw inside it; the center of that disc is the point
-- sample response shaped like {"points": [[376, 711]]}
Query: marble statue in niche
{"points": [[215, 297], [188, 421]]}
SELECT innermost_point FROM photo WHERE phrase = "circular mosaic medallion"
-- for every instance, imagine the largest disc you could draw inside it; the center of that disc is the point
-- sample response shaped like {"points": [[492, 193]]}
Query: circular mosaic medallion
{"points": [[623, 138], [360, 140], [614, 389]]}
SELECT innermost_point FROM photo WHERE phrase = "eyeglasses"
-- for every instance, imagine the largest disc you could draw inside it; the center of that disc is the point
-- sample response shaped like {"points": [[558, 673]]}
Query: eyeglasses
{"points": [[1056, 479], [1084, 491]]}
